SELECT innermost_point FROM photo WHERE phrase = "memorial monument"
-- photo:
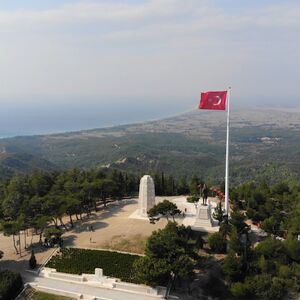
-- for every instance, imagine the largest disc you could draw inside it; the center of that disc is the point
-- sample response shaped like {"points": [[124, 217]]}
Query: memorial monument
{"points": [[146, 195]]}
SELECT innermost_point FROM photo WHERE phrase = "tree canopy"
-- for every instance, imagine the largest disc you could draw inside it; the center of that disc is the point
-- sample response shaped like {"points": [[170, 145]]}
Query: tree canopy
{"points": [[170, 253]]}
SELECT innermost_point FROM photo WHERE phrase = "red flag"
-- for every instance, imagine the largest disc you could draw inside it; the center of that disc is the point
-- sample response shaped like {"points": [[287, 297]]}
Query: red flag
{"points": [[213, 100]]}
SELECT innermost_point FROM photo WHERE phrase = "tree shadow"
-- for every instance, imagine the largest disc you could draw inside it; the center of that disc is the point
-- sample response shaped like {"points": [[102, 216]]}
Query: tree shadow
{"points": [[98, 225], [112, 209], [210, 280], [20, 266], [69, 240], [207, 284], [90, 226], [14, 265], [38, 248]]}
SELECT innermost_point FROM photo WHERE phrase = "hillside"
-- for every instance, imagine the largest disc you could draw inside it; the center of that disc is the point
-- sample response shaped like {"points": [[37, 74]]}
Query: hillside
{"points": [[22, 162], [264, 143]]}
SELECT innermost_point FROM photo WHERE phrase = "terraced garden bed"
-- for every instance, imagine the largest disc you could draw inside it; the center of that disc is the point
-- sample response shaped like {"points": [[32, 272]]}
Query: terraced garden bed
{"points": [[78, 261]]}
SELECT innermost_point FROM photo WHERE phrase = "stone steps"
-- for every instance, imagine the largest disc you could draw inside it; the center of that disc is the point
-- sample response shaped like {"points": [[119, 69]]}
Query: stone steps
{"points": [[203, 219], [202, 223], [203, 214]]}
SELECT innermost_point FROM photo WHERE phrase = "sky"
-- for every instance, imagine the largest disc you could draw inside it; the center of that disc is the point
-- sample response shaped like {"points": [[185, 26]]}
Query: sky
{"points": [[69, 65]]}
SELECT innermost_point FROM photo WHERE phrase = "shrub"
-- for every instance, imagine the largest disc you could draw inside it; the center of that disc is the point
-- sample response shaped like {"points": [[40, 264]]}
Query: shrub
{"points": [[217, 242], [239, 290], [271, 248], [271, 225], [165, 208], [152, 272], [219, 213], [292, 248], [262, 264], [231, 267], [284, 271], [235, 243], [53, 232], [265, 287], [192, 199], [11, 285]]}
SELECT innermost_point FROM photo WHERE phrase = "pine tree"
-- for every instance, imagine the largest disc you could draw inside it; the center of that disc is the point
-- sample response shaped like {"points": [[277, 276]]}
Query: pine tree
{"points": [[219, 213], [32, 261]]}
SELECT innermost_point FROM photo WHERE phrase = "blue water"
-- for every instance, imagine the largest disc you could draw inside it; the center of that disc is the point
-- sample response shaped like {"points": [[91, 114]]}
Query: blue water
{"points": [[54, 115]]}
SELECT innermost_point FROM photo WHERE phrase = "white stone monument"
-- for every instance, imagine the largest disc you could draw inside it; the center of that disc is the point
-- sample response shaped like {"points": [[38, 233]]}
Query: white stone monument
{"points": [[146, 195]]}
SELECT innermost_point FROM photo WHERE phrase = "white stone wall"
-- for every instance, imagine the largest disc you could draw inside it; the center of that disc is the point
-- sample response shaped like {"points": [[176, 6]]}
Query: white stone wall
{"points": [[96, 280]]}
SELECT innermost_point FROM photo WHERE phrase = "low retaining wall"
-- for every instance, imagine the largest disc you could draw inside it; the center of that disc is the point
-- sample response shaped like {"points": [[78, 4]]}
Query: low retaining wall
{"points": [[59, 292], [52, 273], [98, 279], [135, 288]]}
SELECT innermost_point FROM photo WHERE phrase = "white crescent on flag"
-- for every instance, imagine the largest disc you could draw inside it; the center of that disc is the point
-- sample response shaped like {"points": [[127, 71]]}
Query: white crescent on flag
{"points": [[219, 100]]}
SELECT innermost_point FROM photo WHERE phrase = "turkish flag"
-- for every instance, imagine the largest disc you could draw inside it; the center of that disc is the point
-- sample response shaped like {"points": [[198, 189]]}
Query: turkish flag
{"points": [[213, 100]]}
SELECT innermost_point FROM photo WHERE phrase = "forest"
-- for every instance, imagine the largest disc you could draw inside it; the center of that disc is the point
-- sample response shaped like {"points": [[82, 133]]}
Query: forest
{"points": [[40, 199], [252, 267]]}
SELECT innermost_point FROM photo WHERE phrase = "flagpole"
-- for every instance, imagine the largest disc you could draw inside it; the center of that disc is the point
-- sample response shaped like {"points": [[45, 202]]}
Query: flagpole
{"points": [[227, 155]]}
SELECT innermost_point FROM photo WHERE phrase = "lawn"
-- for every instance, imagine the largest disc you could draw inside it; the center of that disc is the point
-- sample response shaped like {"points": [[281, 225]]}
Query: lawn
{"points": [[44, 296], [78, 261], [134, 244]]}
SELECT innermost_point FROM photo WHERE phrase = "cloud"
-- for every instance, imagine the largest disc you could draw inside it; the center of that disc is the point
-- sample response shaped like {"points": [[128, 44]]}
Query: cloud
{"points": [[109, 11], [206, 13], [149, 48]]}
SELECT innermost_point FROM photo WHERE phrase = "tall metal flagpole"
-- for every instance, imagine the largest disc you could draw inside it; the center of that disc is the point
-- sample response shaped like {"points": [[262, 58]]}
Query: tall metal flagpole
{"points": [[227, 155]]}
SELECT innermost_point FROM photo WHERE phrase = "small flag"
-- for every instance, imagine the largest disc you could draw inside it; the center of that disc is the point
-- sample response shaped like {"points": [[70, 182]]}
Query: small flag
{"points": [[213, 100]]}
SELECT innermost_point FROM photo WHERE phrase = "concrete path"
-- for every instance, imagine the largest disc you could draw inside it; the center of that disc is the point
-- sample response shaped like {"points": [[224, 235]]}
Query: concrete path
{"points": [[88, 291]]}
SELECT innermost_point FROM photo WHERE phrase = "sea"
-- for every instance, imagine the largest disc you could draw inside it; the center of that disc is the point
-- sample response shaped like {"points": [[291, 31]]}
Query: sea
{"points": [[51, 115]]}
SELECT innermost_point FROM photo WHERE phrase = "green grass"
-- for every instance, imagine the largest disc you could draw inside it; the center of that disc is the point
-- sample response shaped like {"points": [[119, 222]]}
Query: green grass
{"points": [[44, 296], [78, 261]]}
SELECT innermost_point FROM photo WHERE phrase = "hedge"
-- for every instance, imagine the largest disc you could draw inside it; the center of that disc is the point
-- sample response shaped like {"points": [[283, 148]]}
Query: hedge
{"points": [[11, 285], [78, 261]]}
